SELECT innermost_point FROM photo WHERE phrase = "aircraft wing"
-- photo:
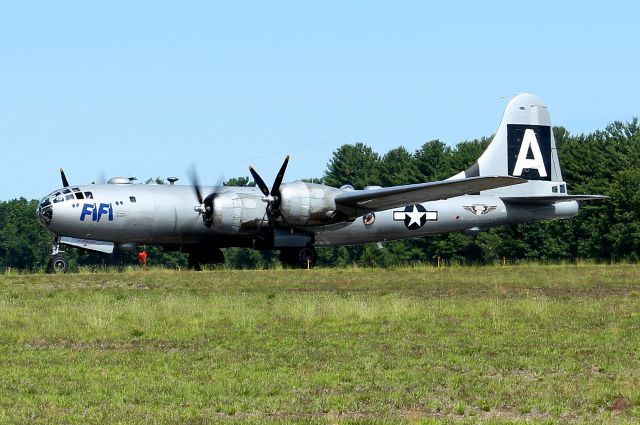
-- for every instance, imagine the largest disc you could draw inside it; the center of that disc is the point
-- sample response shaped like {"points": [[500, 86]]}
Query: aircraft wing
{"points": [[548, 199], [397, 196]]}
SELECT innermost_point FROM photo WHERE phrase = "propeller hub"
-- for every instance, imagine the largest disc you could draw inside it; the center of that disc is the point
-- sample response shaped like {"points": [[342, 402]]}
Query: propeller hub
{"points": [[205, 204], [271, 197]]}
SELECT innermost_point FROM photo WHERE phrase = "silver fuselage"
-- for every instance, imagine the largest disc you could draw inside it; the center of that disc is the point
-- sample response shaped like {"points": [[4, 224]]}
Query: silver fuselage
{"points": [[138, 214]]}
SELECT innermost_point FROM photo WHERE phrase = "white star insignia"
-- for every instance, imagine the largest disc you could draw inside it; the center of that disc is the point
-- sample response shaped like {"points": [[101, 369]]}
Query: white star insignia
{"points": [[415, 216]]}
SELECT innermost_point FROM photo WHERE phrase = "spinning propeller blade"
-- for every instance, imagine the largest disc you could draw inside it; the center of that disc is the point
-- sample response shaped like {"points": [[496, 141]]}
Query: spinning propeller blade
{"points": [[195, 183], [205, 206]]}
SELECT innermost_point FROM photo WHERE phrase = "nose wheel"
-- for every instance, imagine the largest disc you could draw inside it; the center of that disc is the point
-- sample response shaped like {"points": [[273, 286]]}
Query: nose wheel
{"points": [[58, 263]]}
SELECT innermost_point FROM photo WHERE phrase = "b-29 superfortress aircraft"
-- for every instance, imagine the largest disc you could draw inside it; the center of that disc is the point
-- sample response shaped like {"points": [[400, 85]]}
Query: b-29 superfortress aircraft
{"points": [[517, 179]]}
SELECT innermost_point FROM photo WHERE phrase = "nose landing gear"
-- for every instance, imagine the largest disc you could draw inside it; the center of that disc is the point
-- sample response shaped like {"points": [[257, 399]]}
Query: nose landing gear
{"points": [[58, 263]]}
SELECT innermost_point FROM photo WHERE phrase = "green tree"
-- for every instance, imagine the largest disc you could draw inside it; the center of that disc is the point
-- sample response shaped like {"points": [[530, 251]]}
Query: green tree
{"points": [[466, 153], [433, 160], [399, 167], [624, 210], [314, 180], [240, 181], [24, 243], [157, 180], [357, 165]]}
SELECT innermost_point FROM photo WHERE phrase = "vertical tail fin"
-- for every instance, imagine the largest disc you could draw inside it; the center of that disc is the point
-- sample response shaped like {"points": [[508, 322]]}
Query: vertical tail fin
{"points": [[524, 147]]}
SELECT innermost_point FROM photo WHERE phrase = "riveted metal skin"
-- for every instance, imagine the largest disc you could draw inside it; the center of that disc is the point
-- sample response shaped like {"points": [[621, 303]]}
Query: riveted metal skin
{"points": [[308, 204]]}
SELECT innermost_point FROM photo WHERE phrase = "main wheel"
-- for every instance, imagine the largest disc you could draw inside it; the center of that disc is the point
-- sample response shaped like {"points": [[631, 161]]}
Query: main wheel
{"points": [[58, 264], [307, 256], [206, 257], [194, 261], [304, 257]]}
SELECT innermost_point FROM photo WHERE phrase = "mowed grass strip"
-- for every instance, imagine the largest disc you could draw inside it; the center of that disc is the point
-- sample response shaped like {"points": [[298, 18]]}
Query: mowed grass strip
{"points": [[489, 344]]}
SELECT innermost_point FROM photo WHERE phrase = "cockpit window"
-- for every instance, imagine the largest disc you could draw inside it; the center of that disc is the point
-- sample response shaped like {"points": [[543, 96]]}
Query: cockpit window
{"points": [[58, 198], [79, 195], [75, 189], [88, 195], [69, 196], [66, 191]]}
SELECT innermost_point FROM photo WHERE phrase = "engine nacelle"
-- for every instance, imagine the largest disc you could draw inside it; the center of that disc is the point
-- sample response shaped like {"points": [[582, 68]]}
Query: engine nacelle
{"points": [[308, 204], [235, 213]]}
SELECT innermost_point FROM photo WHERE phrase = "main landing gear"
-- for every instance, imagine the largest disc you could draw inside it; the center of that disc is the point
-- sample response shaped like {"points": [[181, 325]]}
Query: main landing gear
{"points": [[299, 257], [58, 263], [205, 257]]}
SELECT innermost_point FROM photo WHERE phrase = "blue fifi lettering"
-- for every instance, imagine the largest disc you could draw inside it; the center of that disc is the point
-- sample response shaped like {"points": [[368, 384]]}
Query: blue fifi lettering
{"points": [[87, 209], [97, 211]]}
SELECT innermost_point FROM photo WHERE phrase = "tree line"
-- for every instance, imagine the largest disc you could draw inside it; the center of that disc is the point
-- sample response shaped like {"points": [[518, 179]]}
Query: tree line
{"points": [[602, 162]]}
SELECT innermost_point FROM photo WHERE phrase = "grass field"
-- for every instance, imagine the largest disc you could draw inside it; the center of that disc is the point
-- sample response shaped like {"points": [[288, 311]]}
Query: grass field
{"points": [[542, 344]]}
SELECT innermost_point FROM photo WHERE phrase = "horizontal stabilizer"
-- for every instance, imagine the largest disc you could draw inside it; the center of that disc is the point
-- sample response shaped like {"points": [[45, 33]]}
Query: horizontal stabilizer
{"points": [[91, 245], [549, 199], [397, 196]]}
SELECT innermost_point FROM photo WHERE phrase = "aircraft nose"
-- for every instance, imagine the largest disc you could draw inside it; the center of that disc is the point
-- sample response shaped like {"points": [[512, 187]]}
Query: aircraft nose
{"points": [[44, 211]]}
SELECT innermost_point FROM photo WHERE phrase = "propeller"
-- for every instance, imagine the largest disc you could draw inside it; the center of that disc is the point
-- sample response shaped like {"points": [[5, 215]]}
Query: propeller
{"points": [[65, 182], [271, 197], [205, 204]]}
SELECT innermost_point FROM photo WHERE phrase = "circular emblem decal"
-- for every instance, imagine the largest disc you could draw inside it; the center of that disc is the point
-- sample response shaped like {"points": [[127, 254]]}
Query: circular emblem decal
{"points": [[415, 216], [369, 219]]}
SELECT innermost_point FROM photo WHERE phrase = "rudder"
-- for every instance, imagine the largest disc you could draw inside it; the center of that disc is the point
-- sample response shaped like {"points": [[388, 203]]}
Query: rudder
{"points": [[523, 146]]}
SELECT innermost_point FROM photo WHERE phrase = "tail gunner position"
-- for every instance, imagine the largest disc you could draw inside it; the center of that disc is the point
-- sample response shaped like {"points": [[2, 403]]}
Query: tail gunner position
{"points": [[517, 179]]}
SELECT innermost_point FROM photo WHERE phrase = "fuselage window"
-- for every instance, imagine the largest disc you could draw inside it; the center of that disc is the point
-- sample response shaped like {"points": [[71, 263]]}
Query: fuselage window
{"points": [[554, 189], [132, 199], [88, 195], [563, 188]]}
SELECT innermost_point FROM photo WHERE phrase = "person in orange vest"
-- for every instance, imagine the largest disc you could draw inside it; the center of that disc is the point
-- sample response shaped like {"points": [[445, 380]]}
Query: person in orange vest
{"points": [[142, 258]]}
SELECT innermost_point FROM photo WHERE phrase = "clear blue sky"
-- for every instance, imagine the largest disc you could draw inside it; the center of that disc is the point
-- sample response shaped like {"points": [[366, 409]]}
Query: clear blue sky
{"points": [[147, 88]]}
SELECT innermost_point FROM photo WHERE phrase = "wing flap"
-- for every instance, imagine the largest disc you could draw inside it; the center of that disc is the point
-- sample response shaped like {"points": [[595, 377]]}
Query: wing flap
{"points": [[549, 199], [397, 196]]}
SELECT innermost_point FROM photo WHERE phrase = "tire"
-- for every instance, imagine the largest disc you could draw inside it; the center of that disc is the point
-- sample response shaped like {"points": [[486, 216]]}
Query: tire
{"points": [[208, 257], [301, 258], [58, 264], [195, 260]]}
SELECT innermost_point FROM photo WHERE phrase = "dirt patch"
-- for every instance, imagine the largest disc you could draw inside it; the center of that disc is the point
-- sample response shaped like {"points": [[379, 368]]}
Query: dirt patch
{"points": [[619, 404], [108, 345]]}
